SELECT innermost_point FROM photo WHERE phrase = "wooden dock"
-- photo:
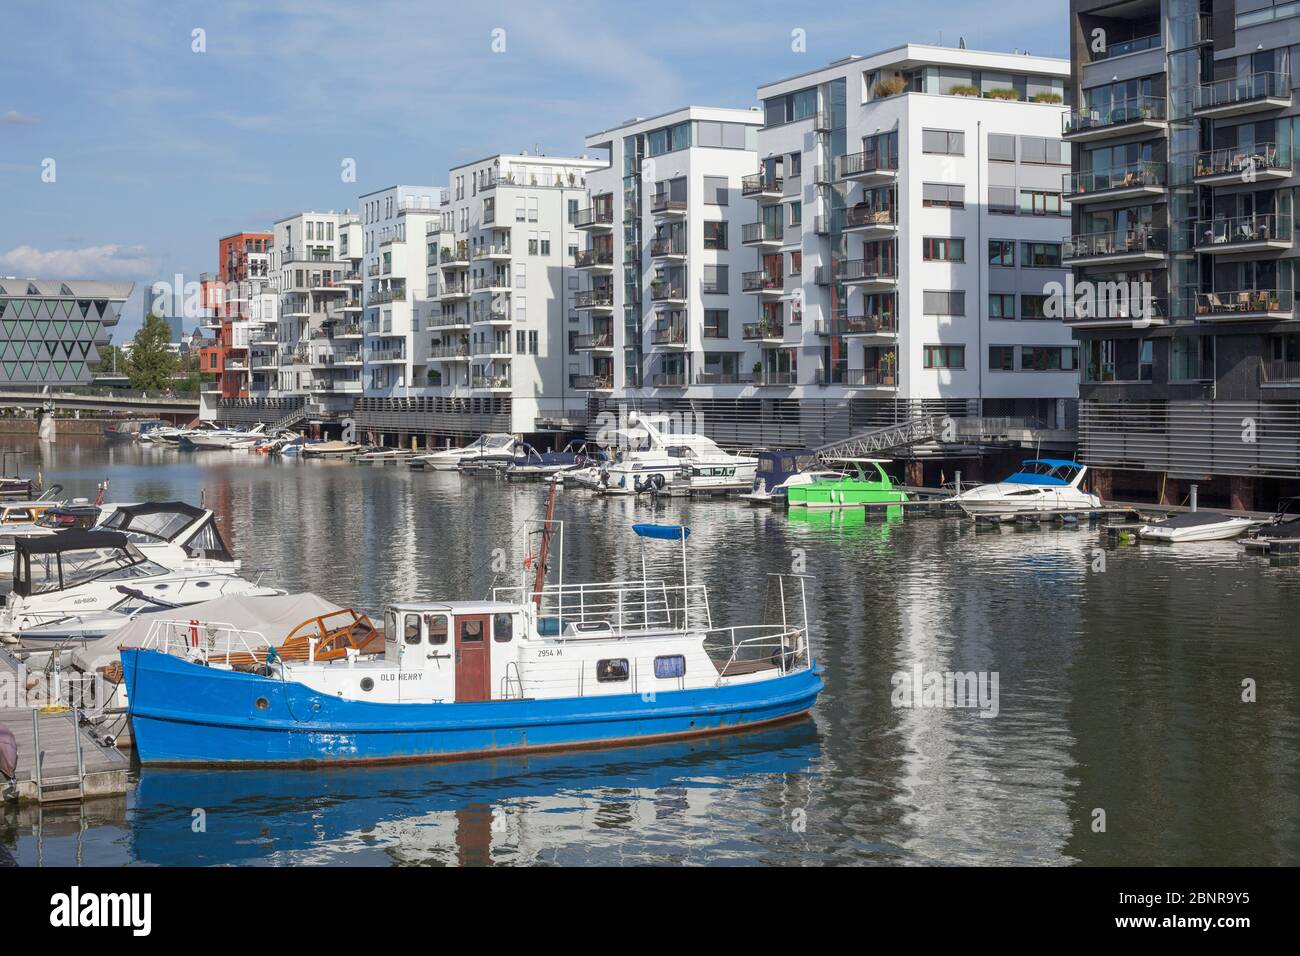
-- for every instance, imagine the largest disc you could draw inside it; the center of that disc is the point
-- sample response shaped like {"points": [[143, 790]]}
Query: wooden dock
{"points": [[58, 759]]}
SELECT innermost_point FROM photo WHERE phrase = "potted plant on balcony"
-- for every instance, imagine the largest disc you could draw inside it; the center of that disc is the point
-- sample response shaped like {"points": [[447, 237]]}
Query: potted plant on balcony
{"points": [[758, 371], [963, 89], [1003, 93], [888, 86], [1047, 96]]}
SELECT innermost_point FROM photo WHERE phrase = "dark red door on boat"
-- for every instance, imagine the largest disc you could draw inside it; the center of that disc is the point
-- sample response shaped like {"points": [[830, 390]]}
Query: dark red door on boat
{"points": [[473, 675]]}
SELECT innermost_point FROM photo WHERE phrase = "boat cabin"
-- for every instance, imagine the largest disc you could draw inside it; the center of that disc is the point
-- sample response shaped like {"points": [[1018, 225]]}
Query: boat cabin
{"points": [[171, 522], [1047, 471], [56, 562], [775, 467]]}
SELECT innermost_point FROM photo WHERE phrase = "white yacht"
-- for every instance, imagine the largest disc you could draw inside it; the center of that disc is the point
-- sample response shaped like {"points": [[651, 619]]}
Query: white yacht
{"points": [[492, 448], [75, 575], [647, 459], [1194, 526], [222, 439], [1041, 485]]}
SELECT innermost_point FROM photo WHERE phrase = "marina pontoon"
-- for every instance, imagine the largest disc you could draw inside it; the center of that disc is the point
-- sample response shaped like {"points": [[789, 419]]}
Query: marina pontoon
{"points": [[1041, 485]]}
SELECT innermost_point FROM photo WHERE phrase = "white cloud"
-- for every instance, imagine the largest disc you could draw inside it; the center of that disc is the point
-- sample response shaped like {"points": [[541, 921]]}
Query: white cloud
{"points": [[15, 118], [89, 262]]}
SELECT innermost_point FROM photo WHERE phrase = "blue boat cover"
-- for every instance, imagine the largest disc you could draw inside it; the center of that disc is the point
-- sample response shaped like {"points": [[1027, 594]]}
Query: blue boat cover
{"points": [[665, 532]]}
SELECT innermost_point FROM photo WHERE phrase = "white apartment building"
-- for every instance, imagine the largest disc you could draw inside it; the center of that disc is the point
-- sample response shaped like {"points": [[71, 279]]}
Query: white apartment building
{"points": [[316, 263], [503, 291], [395, 223], [664, 311], [907, 223]]}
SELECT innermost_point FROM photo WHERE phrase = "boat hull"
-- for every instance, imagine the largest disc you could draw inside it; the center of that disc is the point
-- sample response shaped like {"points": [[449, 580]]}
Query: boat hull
{"points": [[1220, 531], [186, 713]]}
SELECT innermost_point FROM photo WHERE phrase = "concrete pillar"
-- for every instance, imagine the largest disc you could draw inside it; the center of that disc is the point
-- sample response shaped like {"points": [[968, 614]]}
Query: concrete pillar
{"points": [[1241, 493]]}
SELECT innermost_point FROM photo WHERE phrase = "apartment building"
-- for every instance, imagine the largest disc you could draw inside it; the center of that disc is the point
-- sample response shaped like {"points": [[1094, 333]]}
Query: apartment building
{"points": [[316, 264], [239, 304], [1183, 186], [395, 224], [51, 330], [503, 291], [664, 254]]}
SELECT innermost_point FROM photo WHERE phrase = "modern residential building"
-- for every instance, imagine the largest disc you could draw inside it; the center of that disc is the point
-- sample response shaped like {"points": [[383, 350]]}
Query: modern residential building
{"points": [[1183, 182], [503, 291], [316, 265], [50, 328], [664, 252], [235, 300], [395, 224]]}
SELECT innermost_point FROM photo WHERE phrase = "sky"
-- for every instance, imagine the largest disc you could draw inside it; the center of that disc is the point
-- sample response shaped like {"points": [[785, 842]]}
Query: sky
{"points": [[129, 143]]}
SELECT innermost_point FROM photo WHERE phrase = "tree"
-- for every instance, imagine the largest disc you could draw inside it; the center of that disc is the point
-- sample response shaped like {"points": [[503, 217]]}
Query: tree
{"points": [[152, 363], [112, 361]]}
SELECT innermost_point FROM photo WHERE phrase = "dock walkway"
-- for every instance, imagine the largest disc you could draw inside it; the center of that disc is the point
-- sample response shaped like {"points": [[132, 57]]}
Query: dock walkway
{"points": [[57, 758]]}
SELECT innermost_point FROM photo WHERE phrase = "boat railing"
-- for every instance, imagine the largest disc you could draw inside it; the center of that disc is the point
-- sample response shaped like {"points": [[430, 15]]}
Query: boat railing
{"points": [[751, 648], [624, 606], [213, 642]]}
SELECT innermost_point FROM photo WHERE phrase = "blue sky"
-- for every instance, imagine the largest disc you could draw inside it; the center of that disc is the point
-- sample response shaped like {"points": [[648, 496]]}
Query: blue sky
{"points": [[159, 150]]}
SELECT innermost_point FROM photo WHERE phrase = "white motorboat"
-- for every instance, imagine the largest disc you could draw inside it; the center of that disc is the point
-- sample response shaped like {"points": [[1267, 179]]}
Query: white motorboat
{"points": [[75, 574], [493, 448], [223, 439], [647, 459], [1041, 485], [1194, 526]]}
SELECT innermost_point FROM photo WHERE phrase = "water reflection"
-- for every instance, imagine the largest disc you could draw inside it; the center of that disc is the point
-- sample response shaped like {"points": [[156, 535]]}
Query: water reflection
{"points": [[1120, 680]]}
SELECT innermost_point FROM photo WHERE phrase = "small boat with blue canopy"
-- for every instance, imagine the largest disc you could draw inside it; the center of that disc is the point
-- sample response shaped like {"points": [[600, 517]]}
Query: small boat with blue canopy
{"points": [[537, 666], [1049, 485]]}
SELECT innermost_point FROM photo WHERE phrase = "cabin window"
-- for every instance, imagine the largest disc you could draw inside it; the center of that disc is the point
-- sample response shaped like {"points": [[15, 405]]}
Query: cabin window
{"points": [[411, 633], [471, 632], [503, 628], [437, 625], [672, 665], [612, 670]]}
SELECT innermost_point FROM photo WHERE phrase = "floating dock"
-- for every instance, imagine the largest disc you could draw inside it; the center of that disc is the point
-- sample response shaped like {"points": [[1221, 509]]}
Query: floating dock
{"points": [[58, 759]]}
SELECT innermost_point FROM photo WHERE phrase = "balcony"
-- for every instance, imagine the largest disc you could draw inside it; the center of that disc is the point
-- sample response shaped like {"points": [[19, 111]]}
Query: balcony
{"points": [[452, 321], [493, 252], [871, 220], [1240, 165], [1116, 305], [594, 217], [668, 380], [761, 186], [667, 292], [491, 383], [879, 272], [671, 249], [348, 387], [867, 167], [1135, 115], [860, 378], [1244, 305], [662, 204], [350, 305], [1134, 181], [384, 296], [600, 260], [1280, 372], [673, 336], [449, 353], [596, 342], [593, 383], [771, 333], [602, 299], [454, 292], [498, 349], [1248, 94], [763, 282], [773, 379], [379, 356], [1259, 233], [492, 317], [353, 278], [454, 258], [351, 330], [1137, 245], [497, 282], [884, 324], [761, 234]]}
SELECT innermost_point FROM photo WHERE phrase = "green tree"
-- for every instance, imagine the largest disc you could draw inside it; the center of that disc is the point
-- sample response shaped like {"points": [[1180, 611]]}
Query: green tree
{"points": [[112, 361], [152, 363]]}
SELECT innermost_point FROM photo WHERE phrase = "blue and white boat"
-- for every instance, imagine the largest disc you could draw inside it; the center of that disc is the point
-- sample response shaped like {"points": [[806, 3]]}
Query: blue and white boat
{"points": [[540, 667], [1049, 485]]}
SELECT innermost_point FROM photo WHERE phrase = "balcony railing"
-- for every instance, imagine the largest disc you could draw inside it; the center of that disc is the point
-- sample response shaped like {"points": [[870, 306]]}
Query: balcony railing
{"points": [[384, 296], [490, 381], [585, 383], [593, 216], [666, 292], [385, 355], [595, 299], [601, 340], [857, 217], [1132, 176], [1240, 230], [1123, 47], [1243, 90], [673, 335], [762, 330], [886, 322], [443, 321], [867, 270], [861, 164], [668, 380], [1279, 370], [760, 232], [859, 377], [1243, 161], [494, 281], [449, 351], [762, 281], [660, 248], [1127, 242], [1244, 302], [663, 202], [1134, 109], [759, 183], [587, 258]]}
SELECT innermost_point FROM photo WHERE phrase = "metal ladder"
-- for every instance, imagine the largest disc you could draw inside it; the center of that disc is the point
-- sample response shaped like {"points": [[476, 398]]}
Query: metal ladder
{"points": [[62, 787]]}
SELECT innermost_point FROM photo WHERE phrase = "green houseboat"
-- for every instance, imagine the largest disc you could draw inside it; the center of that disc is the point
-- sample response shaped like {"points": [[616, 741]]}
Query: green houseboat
{"points": [[864, 482]]}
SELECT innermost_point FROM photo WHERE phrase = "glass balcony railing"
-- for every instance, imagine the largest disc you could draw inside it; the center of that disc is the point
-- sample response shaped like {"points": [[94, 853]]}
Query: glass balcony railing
{"points": [[1132, 176], [1124, 47], [1123, 242], [1240, 91], [867, 270], [1244, 161], [1237, 230], [1135, 109], [1244, 302], [865, 163]]}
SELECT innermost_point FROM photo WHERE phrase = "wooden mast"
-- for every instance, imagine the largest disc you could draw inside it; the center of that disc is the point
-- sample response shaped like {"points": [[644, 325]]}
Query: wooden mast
{"points": [[540, 581]]}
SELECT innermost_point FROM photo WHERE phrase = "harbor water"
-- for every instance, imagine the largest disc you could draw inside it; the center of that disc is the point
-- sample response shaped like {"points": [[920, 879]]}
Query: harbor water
{"points": [[1136, 704]]}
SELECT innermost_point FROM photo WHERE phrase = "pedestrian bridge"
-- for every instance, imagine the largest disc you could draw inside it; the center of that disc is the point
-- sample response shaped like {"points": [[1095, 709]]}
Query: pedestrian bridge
{"points": [[89, 398]]}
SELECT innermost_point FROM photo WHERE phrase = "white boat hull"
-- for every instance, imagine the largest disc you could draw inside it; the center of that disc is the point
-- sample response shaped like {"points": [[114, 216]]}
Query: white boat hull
{"points": [[1224, 530]]}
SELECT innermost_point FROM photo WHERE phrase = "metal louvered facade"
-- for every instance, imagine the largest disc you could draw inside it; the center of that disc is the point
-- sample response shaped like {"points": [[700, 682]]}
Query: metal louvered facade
{"points": [[50, 331]]}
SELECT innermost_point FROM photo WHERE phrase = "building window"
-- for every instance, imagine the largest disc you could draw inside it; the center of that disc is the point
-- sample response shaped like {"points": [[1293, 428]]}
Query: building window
{"points": [[1040, 203], [612, 670], [1002, 358], [944, 249], [943, 195], [943, 142], [1033, 306], [715, 191], [715, 323], [1041, 255], [945, 356], [943, 302], [715, 234], [1036, 358], [1002, 252], [1002, 147], [1002, 306], [1191, 358], [1002, 200], [716, 280]]}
